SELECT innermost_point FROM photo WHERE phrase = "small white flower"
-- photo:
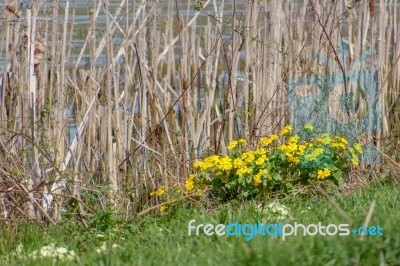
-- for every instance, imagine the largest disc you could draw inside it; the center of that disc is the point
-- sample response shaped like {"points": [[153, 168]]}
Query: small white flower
{"points": [[62, 250], [102, 248], [275, 210], [19, 249], [51, 251]]}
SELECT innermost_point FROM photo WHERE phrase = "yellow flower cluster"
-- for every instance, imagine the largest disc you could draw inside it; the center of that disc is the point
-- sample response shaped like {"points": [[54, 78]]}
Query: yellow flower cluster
{"points": [[353, 151], [244, 170], [267, 165], [257, 178], [262, 159], [189, 184], [339, 143], [264, 141], [357, 147], [248, 157], [286, 130], [314, 154], [324, 139], [234, 143], [324, 173], [237, 163], [309, 127], [160, 191], [293, 149], [225, 163], [208, 163]]}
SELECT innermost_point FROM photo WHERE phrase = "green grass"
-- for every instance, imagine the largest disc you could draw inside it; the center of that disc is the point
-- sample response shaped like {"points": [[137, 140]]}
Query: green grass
{"points": [[162, 239]]}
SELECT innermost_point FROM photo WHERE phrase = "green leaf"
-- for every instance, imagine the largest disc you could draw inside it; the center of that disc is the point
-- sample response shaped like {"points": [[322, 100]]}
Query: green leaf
{"points": [[277, 177], [241, 180], [249, 179], [341, 182], [245, 194]]}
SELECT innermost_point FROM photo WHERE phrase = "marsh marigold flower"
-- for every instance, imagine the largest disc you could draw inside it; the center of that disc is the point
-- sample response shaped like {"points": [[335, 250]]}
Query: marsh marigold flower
{"points": [[211, 161], [314, 154], [160, 191], [261, 152], [232, 145], [225, 163], [244, 170], [264, 141], [248, 157], [339, 143], [237, 163], [324, 173], [286, 130], [261, 160], [358, 148], [257, 179], [354, 157], [309, 127], [189, 184], [242, 141], [293, 159]]}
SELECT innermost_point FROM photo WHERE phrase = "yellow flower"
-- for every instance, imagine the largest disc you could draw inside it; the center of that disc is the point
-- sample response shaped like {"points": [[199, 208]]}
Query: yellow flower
{"points": [[200, 165], [257, 179], [294, 139], [225, 163], [309, 127], [293, 159], [322, 174], [262, 171], [232, 145], [160, 191], [339, 146], [264, 141], [301, 149], [261, 160], [237, 163], [339, 143], [314, 155], [354, 159], [199, 192], [325, 139], [358, 148], [286, 130], [189, 185], [261, 152], [210, 162], [163, 208], [242, 141], [289, 149], [243, 170], [248, 157]]}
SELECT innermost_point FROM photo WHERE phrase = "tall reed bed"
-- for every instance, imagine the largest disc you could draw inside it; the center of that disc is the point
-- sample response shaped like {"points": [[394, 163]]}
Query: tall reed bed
{"points": [[151, 88]]}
